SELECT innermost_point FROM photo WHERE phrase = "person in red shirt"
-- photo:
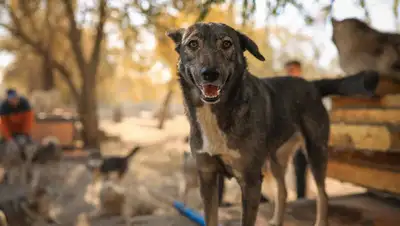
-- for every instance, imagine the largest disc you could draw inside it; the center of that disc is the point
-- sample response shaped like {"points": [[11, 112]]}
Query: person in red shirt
{"points": [[16, 117], [293, 68]]}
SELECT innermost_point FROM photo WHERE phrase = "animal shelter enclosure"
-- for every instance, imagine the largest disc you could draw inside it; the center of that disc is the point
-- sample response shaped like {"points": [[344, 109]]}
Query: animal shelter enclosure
{"points": [[161, 113]]}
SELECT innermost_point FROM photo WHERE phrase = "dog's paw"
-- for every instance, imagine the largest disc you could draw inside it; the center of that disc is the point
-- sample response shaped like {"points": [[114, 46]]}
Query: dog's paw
{"points": [[321, 224], [94, 214], [273, 222]]}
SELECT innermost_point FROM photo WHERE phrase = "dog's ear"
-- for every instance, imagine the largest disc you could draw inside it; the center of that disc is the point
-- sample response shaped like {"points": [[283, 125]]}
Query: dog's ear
{"points": [[176, 36], [247, 44]]}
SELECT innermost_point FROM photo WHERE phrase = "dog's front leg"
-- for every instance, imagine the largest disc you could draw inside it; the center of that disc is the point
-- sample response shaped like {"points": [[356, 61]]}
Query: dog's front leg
{"points": [[185, 194], [251, 192], [207, 168]]}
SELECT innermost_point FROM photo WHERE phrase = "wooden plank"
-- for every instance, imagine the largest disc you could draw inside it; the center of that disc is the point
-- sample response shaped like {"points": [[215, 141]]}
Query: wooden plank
{"points": [[364, 176], [389, 116], [375, 137], [367, 158], [391, 100], [367, 168], [388, 101], [63, 130], [387, 85], [387, 91]]}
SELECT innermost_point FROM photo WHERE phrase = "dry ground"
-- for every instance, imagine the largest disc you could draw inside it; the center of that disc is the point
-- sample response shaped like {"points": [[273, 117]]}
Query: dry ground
{"points": [[156, 168]]}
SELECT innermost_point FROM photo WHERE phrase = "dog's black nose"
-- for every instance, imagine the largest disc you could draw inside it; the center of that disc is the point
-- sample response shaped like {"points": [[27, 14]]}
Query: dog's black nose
{"points": [[209, 74]]}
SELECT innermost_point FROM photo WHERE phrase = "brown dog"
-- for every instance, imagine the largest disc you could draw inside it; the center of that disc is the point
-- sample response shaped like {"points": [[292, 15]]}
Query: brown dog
{"points": [[239, 121]]}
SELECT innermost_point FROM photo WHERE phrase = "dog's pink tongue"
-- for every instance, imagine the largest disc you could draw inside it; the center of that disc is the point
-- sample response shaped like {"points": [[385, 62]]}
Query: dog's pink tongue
{"points": [[210, 90]]}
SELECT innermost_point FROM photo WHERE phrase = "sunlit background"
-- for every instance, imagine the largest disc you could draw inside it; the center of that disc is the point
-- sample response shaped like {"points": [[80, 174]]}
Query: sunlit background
{"points": [[139, 69]]}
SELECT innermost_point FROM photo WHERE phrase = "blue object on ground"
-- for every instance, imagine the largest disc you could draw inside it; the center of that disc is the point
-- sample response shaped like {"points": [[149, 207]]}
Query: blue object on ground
{"points": [[189, 213]]}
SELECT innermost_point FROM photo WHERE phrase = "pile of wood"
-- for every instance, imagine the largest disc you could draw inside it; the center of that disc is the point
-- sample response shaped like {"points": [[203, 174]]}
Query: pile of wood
{"points": [[365, 140], [366, 123]]}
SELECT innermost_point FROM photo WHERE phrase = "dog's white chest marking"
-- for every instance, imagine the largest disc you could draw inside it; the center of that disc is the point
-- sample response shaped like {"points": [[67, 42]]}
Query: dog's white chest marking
{"points": [[214, 140]]}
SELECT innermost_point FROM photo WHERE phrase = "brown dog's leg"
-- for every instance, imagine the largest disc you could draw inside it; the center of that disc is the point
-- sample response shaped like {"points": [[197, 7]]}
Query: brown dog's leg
{"points": [[208, 187], [278, 173], [209, 194], [251, 193], [318, 158], [185, 194]]}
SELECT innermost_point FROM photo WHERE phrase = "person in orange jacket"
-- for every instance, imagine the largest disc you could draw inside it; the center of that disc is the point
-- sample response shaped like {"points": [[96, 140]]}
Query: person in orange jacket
{"points": [[17, 119]]}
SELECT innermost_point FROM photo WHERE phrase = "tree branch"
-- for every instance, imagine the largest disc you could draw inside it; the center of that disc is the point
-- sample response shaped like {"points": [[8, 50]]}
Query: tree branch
{"points": [[39, 49], [95, 57], [396, 4], [75, 36], [28, 14]]}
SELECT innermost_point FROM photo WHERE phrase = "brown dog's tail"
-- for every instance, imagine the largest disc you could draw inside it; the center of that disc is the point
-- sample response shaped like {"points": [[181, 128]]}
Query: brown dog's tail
{"points": [[360, 84], [133, 152]]}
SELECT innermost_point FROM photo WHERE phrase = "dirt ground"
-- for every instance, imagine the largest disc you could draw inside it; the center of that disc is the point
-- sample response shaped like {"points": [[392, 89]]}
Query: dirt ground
{"points": [[154, 170]]}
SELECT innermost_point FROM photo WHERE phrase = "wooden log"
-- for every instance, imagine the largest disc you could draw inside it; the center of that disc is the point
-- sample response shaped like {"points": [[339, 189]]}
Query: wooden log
{"points": [[367, 158], [387, 85], [341, 140], [390, 116], [367, 168], [388, 101], [364, 176], [391, 100], [387, 95], [374, 137]]}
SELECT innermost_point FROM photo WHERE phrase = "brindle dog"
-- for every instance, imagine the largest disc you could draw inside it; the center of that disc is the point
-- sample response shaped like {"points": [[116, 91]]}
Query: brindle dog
{"points": [[238, 121]]}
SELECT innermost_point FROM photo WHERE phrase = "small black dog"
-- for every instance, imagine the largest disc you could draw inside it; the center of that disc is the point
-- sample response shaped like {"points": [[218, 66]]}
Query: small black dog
{"points": [[107, 165]]}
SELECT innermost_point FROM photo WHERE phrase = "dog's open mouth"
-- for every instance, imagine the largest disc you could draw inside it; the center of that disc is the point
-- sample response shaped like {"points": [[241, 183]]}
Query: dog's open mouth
{"points": [[210, 93]]}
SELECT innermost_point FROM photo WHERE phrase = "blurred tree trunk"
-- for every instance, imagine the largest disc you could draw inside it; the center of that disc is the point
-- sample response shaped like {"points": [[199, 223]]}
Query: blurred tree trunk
{"points": [[164, 111], [87, 109], [48, 82], [85, 95], [88, 68], [164, 108]]}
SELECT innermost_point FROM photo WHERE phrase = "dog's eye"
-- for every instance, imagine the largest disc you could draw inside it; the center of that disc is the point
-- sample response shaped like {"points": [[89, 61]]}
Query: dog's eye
{"points": [[226, 44], [193, 44]]}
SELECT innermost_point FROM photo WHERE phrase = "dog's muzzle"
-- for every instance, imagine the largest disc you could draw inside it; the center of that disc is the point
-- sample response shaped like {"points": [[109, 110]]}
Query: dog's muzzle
{"points": [[210, 89]]}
